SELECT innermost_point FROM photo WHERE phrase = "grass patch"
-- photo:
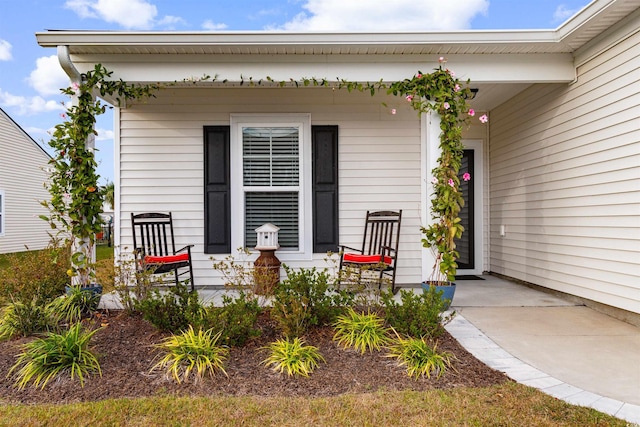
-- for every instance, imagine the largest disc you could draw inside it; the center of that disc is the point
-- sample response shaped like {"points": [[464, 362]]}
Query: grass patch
{"points": [[104, 252], [508, 404]]}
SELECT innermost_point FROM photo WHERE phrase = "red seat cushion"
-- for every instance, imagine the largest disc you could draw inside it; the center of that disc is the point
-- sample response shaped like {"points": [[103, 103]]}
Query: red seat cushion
{"points": [[167, 259], [365, 259]]}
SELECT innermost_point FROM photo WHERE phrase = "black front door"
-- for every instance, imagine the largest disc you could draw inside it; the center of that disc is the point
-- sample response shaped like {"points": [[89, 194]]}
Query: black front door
{"points": [[465, 244]]}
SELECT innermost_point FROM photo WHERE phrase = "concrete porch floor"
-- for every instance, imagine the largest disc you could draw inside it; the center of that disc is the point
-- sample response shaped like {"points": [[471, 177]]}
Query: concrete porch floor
{"points": [[567, 350], [562, 348]]}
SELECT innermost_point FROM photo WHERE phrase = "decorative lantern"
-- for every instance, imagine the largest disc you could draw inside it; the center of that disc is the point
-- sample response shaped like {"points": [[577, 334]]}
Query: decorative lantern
{"points": [[267, 265]]}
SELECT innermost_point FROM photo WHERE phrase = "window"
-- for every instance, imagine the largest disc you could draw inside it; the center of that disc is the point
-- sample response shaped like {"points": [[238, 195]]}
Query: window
{"points": [[274, 169], [270, 180], [2, 213]]}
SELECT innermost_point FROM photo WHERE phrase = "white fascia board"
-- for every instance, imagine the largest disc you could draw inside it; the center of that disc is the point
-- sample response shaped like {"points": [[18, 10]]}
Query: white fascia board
{"points": [[505, 68]]}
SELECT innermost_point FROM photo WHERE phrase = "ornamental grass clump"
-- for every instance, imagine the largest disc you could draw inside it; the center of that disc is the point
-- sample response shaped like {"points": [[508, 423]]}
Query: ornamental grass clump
{"points": [[419, 358], [56, 355], [26, 318], [190, 352], [293, 357], [360, 331]]}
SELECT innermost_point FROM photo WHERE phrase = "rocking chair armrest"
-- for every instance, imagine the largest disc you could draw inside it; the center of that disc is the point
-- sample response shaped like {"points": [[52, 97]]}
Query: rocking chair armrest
{"points": [[388, 248], [343, 247], [186, 248]]}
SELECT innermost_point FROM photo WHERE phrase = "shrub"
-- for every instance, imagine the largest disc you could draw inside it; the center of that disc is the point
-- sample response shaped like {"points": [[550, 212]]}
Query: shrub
{"points": [[360, 331], [294, 357], [191, 351], [417, 315], [235, 321], [35, 274], [173, 310], [419, 358], [26, 318], [56, 355], [306, 299]]}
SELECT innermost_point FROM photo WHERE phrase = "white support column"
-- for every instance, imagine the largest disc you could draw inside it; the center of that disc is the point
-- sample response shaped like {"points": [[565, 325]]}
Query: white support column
{"points": [[430, 136]]}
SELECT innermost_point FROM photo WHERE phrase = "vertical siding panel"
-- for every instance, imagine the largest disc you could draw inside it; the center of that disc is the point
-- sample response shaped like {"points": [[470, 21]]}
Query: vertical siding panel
{"points": [[161, 161], [22, 178], [565, 181]]}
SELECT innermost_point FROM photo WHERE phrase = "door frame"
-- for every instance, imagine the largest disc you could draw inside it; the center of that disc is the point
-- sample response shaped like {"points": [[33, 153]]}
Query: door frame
{"points": [[478, 209]]}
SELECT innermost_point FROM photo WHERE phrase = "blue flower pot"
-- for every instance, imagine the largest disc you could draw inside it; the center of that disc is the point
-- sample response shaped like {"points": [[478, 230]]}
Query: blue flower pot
{"points": [[448, 290], [94, 288]]}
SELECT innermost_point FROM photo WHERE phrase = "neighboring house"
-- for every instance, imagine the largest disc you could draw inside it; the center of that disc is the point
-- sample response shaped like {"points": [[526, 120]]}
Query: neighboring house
{"points": [[556, 188], [22, 178]]}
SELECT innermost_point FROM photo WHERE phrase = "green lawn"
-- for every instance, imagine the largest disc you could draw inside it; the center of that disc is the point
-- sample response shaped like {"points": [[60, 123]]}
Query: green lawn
{"points": [[102, 252], [505, 405]]}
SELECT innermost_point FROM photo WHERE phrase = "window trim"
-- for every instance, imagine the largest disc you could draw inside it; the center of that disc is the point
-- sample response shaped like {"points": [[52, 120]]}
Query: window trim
{"points": [[303, 122]]}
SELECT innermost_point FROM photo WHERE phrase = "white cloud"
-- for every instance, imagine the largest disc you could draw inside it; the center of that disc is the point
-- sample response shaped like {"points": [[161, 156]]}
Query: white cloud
{"points": [[209, 25], [169, 22], [382, 15], [28, 105], [48, 77], [104, 134], [129, 14], [563, 13], [5, 50]]}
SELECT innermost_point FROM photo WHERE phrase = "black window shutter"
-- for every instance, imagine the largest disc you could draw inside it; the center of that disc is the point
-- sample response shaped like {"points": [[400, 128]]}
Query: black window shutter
{"points": [[217, 200], [325, 188]]}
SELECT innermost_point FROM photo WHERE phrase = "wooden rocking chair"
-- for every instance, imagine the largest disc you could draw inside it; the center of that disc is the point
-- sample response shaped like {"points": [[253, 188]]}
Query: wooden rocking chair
{"points": [[379, 252], [155, 249]]}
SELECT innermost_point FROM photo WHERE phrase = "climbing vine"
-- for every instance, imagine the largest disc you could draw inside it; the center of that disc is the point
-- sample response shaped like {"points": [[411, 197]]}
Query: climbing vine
{"points": [[76, 202]]}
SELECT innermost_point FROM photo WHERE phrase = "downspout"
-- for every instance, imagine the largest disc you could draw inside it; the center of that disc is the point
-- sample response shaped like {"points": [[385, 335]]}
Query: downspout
{"points": [[84, 246], [65, 62]]}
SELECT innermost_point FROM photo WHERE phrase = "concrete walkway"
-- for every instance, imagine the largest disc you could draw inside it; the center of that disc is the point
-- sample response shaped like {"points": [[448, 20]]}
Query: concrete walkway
{"points": [[566, 350]]}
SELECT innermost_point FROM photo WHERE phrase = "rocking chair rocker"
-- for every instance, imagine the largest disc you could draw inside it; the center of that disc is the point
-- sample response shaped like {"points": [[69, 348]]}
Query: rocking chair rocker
{"points": [[155, 249], [379, 252]]}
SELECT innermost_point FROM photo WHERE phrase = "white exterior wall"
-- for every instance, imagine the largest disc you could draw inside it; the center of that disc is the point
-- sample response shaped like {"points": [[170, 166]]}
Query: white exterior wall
{"points": [[21, 181], [161, 161], [565, 180]]}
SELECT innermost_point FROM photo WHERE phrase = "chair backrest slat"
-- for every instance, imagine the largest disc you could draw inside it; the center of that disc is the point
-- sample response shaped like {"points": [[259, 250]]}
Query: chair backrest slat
{"points": [[153, 233], [382, 228]]}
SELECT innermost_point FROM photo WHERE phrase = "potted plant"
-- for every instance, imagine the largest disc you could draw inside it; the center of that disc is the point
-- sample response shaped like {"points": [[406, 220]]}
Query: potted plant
{"points": [[76, 202], [443, 93]]}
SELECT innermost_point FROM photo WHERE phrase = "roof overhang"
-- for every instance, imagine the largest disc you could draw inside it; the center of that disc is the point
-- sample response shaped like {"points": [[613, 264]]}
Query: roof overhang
{"points": [[517, 58]]}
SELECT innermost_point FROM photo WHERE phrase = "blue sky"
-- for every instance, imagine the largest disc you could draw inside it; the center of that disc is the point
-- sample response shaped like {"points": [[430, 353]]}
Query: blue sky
{"points": [[30, 77]]}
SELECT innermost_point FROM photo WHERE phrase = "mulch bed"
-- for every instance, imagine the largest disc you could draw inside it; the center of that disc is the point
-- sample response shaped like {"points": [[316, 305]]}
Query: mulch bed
{"points": [[126, 353]]}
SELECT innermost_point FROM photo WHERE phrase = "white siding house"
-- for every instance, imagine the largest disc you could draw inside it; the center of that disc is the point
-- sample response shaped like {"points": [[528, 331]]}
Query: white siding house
{"points": [[22, 178], [555, 171]]}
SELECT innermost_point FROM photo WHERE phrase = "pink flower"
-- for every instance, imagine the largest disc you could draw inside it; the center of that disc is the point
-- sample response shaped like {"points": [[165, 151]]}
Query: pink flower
{"points": [[451, 183], [451, 73], [456, 88], [409, 98], [483, 118], [466, 176], [434, 180], [63, 115], [446, 105], [66, 196], [472, 112], [75, 86], [442, 60], [419, 76]]}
